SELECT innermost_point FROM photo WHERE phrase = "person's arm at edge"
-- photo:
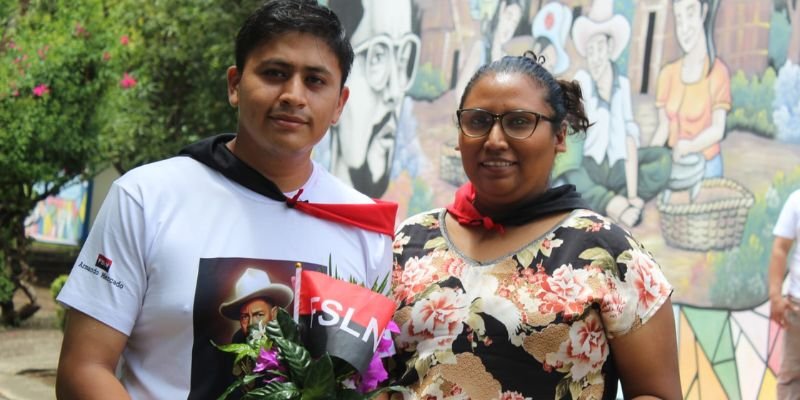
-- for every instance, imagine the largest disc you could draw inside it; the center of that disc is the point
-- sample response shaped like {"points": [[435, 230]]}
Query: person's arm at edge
{"points": [[89, 356], [647, 358], [777, 271]]}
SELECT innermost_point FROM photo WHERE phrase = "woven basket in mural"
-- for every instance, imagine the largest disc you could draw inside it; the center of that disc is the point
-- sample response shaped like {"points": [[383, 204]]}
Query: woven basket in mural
{"points": [[715, 224]]}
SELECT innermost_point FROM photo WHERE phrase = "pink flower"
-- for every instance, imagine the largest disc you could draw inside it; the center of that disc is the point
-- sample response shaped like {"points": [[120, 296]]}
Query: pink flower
{"points": [[374, 375], [41, 90], [385, 344], [80, 30], [127, 81], [584, 351], [106, 56], [267, 360], [123, 40]]}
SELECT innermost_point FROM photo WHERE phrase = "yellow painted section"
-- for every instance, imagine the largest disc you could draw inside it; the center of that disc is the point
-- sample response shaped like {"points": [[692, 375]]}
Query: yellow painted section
{"points": [[687, 354], [710, 388], [768, 389]]}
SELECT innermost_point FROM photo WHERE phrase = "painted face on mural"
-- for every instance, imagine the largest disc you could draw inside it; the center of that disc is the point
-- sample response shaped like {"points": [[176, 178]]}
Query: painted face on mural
{"points": [[384, 68], [689, 17], [508, 19], [598, 54]]}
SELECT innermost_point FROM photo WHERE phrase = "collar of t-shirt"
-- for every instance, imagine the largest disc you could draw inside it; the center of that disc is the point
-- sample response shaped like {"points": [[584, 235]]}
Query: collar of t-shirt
{"points": [[213, 152]]}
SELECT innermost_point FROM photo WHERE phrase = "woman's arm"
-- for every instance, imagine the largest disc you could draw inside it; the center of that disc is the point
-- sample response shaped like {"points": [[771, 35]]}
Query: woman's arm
{"points": [[647, 358], [707, 137], [89, 356]]}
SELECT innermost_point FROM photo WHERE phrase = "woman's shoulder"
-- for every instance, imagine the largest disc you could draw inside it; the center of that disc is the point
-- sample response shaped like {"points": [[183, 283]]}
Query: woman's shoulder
{"points": [[427, 219], [592, 229]]}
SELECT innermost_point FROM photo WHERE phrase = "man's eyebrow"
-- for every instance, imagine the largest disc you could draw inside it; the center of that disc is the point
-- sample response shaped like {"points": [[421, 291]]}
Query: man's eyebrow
{"points": [[281, 63]]}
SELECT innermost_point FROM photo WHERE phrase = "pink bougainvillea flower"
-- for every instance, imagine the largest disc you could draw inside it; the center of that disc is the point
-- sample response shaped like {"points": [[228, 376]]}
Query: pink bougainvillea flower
{"points": [[123, 40], [374, 375], [385, 344], [127, 81], [267, 360], [41, 90]]}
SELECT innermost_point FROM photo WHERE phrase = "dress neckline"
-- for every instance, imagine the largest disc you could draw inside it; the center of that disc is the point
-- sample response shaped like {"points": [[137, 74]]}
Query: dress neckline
{"points": [[475, 263]]}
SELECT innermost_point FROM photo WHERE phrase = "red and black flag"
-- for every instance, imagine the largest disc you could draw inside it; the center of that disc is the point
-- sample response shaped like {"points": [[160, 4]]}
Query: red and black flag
{"points": [[340, 318]]}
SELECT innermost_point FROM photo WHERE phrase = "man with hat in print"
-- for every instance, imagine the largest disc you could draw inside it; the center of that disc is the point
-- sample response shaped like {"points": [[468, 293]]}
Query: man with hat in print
{"points": [[619, 176], [255, 299]]}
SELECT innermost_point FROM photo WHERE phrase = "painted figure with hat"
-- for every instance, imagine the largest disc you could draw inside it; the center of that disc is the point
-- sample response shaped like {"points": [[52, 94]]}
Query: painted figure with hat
{"points": [[255, 300], [693, 94], [548, 38], [618, 176]]}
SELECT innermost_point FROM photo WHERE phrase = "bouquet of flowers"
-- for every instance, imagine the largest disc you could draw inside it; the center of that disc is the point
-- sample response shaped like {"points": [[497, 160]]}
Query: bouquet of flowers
{"points": [[332, 349]]}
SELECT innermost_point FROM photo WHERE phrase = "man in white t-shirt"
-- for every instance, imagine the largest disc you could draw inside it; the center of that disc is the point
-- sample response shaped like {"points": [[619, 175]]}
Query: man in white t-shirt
{"points": [[173, 237], [785, 309]]}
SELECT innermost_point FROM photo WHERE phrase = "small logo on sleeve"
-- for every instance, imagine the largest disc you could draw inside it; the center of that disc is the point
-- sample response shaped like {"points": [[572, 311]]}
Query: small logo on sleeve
{"points": [[103, 262]]}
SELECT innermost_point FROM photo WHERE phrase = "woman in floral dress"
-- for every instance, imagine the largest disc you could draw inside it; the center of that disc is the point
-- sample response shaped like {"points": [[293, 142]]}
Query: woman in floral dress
{"points": [[517, 291]]}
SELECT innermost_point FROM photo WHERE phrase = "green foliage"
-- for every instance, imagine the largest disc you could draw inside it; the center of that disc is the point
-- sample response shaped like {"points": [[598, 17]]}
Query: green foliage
{"points": [[421, 197], [6, 286], [741, 273], [429, 83], [55, 289], [780, 31], [178, 51], [752, 103]]}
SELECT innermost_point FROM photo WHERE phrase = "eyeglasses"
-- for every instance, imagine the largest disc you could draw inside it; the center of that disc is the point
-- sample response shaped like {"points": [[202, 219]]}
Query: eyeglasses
{"points": [[516, 124], [383, 54]]}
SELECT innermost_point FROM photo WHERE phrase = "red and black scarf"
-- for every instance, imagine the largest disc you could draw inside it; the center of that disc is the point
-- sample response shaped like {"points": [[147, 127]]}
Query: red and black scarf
{"points": [[561, 198], [212, 152]]}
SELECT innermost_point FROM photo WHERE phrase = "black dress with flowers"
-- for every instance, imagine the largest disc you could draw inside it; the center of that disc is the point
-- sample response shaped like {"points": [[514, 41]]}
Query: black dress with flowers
{"points": [[533, 324]]}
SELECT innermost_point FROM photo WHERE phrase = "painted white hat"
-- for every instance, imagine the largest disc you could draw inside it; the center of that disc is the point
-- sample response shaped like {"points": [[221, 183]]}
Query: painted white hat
{"points": [[255, 283], [553, 22], [601, 19]]}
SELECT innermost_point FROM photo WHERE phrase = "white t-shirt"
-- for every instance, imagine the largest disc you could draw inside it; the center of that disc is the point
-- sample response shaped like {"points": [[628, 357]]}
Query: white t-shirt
{"points": [[788, 226], [168, 245]]}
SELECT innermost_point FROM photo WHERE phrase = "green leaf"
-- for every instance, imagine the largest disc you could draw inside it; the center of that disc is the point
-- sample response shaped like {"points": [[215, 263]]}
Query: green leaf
{"points": [[436, 243], [342, 369], [319, 383], [373, 394], [283, 326], [275, 391], [296, 356]]}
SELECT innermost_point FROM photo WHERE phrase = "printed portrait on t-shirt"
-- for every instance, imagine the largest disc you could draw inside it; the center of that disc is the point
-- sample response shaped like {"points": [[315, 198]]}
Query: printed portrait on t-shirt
{"points": [[233, 296]]}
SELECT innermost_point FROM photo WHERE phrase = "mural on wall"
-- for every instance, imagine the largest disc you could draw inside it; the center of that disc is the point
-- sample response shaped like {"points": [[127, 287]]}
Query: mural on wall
{"points": [[60, 219], [695, 147]]}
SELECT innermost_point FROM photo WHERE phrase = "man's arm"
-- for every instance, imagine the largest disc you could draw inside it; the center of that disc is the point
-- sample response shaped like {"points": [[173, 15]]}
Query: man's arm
{"points": [[89, 356], [777, 271]]}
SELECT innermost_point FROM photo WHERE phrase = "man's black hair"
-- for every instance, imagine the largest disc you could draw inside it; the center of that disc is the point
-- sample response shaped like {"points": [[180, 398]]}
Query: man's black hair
{"points": [[277, 17]]}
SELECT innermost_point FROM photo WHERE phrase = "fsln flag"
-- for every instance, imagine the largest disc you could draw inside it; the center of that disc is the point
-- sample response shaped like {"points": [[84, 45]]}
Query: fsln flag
{"points": [[340, 318]]}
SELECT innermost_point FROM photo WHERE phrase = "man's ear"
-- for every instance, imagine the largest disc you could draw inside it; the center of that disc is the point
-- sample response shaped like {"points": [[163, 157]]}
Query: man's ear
{"points": [[233, 85], [343, 96]]}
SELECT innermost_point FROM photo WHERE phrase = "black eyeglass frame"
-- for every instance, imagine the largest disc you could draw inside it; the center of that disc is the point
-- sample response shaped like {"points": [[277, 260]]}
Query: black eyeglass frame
{"points": [[499, 117]]}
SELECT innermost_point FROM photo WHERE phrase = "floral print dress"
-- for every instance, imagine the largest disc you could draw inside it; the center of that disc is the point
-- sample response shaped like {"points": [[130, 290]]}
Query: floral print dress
{"points": [[533, 324]]}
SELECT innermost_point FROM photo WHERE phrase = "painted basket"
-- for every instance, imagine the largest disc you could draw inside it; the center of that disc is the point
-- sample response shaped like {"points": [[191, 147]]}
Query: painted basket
{"points": [[715, 223]]}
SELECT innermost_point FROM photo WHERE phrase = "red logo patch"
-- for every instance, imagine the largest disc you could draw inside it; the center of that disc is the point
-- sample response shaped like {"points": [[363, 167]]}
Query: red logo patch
{"points": [[103, 262]]}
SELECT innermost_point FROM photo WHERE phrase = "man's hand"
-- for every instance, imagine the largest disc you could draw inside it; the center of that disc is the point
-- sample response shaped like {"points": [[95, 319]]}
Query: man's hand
{"points": [[779, 306]]}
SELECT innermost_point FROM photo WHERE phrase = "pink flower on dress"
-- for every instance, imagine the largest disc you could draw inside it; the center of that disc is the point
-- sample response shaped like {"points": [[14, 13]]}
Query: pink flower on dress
{"points": [[127, 81], [41, 90], [453, 266], [549, 243], [509, 395], [566, 291], [645, 276], [417, 274], [440, 315], [584, 351]]}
